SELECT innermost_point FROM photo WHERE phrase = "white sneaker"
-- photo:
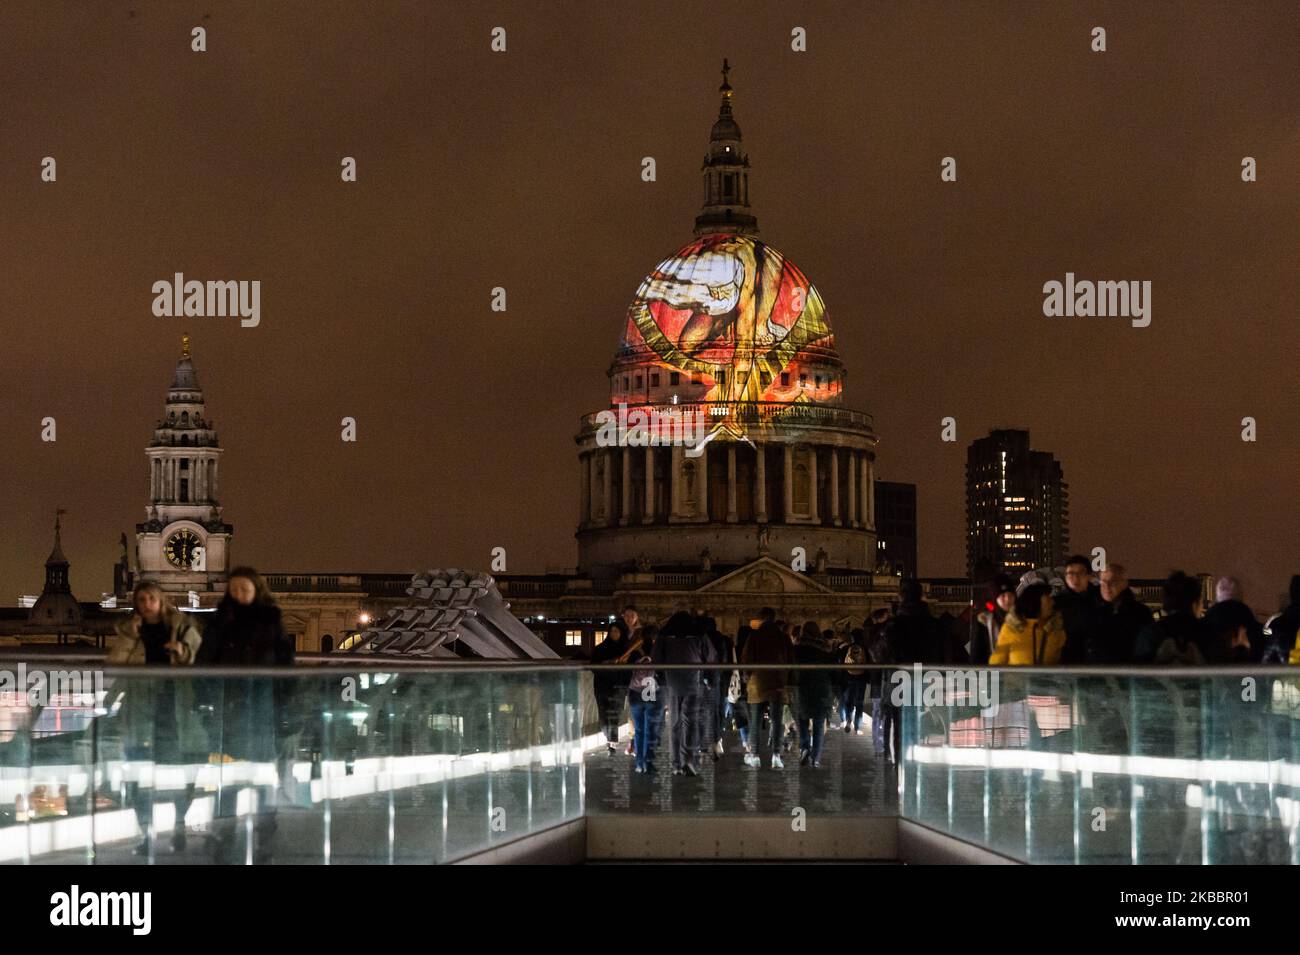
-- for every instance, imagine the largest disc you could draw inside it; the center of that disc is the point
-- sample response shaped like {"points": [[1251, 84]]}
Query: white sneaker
{"points": [[776, 762], [752, 761]]}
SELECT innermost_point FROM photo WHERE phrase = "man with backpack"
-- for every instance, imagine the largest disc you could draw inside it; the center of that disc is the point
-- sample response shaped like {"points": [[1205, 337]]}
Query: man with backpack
{"points": [[855, 684]]}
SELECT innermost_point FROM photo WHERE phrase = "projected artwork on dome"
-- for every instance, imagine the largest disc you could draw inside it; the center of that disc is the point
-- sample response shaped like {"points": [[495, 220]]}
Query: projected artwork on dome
{"points": [[733, 311]]}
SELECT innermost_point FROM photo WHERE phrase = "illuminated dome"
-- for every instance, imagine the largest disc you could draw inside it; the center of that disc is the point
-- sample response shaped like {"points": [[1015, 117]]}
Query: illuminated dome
{"points": [[727, 319], [726, 439]]}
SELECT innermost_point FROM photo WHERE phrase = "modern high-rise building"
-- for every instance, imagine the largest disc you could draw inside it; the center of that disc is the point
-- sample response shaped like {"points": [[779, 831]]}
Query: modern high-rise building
{"points": [[895, 528], [1017, 506]]}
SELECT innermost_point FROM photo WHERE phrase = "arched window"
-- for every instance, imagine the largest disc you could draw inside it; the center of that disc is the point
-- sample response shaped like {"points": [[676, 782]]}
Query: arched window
{"points": [[327, 643]]}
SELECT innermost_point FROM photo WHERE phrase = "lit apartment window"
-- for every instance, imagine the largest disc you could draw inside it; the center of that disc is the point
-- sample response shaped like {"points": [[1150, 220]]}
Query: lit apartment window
{"points": [[573, 638], [600, 637]]}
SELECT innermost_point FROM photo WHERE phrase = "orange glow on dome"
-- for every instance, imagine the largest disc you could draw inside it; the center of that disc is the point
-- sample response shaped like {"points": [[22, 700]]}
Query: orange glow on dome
{"points": [[736, 313]]}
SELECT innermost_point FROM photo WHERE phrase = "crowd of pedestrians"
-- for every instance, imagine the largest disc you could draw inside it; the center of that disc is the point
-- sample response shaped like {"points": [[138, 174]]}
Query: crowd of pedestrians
{"points": [[1045, 619], [1072, 620]]}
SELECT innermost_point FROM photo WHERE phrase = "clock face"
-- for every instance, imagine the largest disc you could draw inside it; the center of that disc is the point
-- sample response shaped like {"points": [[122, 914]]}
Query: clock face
{"points": [[180, 548]]}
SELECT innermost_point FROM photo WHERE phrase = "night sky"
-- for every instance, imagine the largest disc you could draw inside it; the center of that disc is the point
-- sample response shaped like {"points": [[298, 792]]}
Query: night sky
{"points": [[480, 169]]}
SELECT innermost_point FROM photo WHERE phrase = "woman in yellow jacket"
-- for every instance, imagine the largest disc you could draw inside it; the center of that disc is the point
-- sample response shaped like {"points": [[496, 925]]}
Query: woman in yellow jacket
{"points": [[1032, 634]]}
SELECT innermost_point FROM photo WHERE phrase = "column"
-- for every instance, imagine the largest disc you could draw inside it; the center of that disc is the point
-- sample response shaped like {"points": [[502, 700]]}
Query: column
{"points": [[584, 490], [867, 505], [702, 485], [835, 487], [153, 479], [853, 488], [627, 486], [732, 515], [592, 490], [649, 515], [675, 488], [812, 485], [871, 493], [212, 473], [760, 482], [787, 493], [201, 480], [607, 487]]}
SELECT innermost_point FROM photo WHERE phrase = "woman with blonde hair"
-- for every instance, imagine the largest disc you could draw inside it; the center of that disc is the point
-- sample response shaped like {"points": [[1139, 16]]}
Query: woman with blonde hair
{"points": [[159, 718]]}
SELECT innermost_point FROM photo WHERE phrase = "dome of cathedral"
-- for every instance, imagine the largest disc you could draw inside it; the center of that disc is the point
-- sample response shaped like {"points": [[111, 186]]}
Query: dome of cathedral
{"points": [[735, 316]]}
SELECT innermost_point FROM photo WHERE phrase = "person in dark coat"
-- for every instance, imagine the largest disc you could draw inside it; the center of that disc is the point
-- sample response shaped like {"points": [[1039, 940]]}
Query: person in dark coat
{"points": [[1113, 624], [681, 641], [247, 631], [1176, 638], [610, 686], [912, 636], [1075, 604], [765, 690], [915, 635], [714, 696], [1229, 614], [815, 689], [877, 652], [1115, 621]]}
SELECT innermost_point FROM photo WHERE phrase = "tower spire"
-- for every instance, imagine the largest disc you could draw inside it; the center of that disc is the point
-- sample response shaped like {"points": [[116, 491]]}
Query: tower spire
{"points": [[56, 556], [726, 173]]}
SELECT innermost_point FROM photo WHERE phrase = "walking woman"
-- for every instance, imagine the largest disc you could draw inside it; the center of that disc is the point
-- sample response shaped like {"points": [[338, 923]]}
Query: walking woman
{"points": [[247, 630], [159, 719]]}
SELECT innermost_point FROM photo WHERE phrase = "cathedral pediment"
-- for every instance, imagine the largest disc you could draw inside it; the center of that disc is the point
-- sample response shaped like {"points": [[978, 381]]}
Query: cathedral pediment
{"points": [[764, 576]]}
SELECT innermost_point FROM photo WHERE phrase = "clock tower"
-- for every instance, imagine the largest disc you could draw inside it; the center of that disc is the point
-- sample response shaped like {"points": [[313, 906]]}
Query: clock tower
{"points": [[184, 544]]}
